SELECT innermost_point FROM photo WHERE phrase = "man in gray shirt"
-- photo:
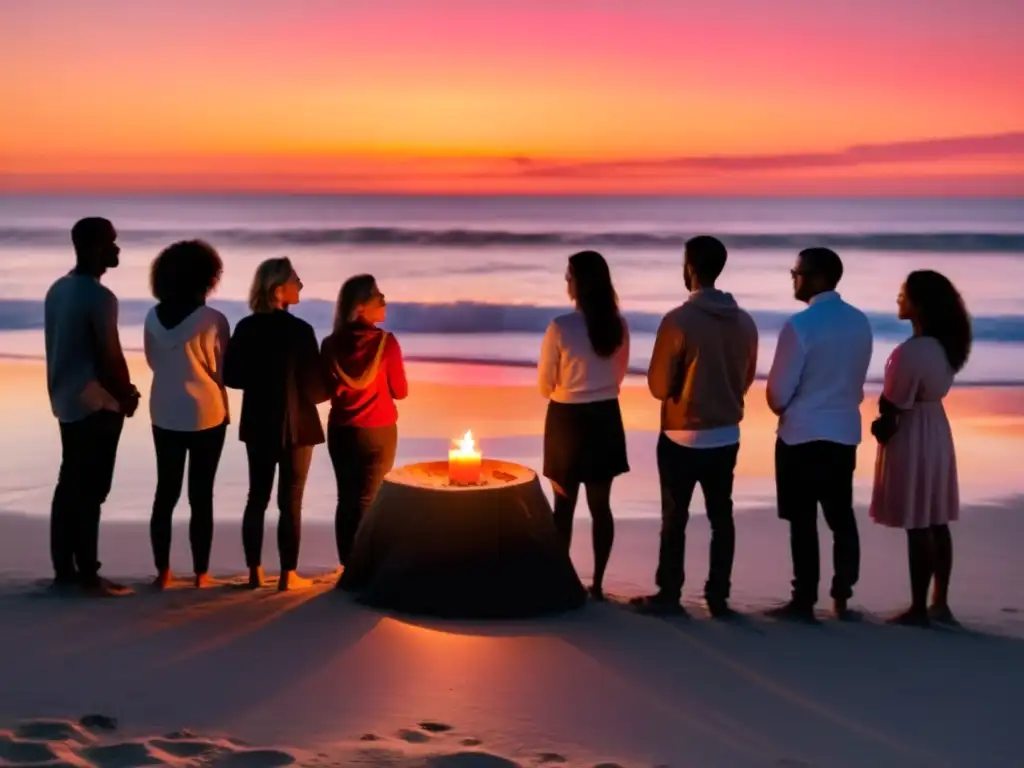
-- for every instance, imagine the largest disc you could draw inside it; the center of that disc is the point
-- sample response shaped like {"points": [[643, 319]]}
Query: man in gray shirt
{"points": [[90, 394]]}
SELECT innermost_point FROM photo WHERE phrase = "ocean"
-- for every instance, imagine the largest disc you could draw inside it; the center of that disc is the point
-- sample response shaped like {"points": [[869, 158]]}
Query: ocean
{"points": [[478, 278]]}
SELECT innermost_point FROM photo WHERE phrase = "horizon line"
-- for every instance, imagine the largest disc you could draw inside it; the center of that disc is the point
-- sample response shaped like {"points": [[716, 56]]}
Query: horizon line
{"points": [[581, 194]]}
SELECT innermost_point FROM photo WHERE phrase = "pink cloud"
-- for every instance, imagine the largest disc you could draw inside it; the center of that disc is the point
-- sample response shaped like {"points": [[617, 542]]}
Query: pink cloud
{"points": [[917, 151]]}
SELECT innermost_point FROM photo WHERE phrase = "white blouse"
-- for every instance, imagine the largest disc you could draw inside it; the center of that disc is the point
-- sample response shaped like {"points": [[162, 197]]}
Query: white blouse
{"points": [[570, 371]]}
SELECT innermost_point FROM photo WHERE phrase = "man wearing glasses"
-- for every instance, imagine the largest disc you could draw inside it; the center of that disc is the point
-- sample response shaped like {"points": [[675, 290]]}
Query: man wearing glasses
{"points": [[815, 387]]}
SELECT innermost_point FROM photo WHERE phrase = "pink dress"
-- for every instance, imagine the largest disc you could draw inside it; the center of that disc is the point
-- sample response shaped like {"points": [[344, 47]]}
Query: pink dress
{"points": [[915, 472]]}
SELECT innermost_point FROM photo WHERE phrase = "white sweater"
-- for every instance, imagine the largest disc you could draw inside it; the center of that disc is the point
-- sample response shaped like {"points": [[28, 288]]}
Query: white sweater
{"points": [[570, 371], [187, 360]]}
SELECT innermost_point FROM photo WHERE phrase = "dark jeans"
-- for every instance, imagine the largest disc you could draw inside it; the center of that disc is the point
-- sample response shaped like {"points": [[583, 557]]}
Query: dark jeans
{"points": [[293, 464], [88, 454], [807, 475], [361, 457], [203, 450], [681, 470]]}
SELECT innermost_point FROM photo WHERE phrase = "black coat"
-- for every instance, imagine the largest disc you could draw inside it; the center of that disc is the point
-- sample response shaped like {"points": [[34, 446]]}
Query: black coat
{"points": [[273, 357]]}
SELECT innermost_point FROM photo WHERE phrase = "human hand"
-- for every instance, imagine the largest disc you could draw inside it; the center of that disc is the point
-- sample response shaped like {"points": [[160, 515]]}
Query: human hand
{"points": [[131, 404]]}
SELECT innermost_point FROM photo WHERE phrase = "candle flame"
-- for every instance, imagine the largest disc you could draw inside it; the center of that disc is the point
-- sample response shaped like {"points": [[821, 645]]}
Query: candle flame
{"points": [[466, 446]]}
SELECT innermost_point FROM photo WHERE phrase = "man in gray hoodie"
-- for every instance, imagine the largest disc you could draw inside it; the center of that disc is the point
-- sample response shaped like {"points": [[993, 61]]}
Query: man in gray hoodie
{"points": [[704, 361]]}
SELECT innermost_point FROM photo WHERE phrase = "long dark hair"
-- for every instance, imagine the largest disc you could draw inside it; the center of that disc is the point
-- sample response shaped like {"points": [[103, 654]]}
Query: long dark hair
{"points": [[941, 314], [355, 291], [596, 299]]}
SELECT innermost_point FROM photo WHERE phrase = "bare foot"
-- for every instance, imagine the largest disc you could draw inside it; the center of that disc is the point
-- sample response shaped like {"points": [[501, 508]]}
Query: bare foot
{"points": [[203, 580], [291, 580], [255, 578], [163, 580], [912, 617], [940, 614], [101, 587]]}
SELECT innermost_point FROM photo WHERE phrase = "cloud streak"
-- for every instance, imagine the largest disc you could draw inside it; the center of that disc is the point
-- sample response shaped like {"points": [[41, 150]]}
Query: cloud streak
{"points": [[918, 151], [982, 164]]}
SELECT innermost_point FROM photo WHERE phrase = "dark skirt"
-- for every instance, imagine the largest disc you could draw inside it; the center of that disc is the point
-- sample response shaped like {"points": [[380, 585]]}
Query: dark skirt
{"points": [[584, 443]]}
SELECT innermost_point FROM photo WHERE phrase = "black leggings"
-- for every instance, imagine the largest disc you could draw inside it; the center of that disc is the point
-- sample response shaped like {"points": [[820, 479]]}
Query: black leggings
{"points": [[930, 551], [294, 467], [203, 450], [599, 501], [361, 457]]}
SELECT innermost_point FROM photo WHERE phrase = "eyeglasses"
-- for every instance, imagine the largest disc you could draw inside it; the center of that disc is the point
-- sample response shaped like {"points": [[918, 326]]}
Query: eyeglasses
{"points": [[795, 273]]}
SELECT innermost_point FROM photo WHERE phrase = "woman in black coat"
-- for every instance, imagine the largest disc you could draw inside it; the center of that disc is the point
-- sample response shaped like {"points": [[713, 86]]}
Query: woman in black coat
{"points": [[273, 357]]}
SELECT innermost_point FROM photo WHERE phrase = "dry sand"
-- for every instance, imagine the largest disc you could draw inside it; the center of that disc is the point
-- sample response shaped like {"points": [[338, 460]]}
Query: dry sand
{"points": [[262, 679], [303, 677]]}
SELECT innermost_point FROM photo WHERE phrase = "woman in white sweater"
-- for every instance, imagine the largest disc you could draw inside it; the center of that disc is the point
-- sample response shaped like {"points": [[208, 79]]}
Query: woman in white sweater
{"points": [[185, 342], [583, 361]]}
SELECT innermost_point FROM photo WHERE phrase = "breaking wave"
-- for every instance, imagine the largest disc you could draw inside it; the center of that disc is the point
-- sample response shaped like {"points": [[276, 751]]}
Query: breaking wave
{"points": [[478, 318], [937, 242]]}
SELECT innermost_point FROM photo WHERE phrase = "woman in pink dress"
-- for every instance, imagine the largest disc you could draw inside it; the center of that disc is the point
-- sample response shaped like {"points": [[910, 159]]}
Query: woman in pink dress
{"points": [[916, 485]]}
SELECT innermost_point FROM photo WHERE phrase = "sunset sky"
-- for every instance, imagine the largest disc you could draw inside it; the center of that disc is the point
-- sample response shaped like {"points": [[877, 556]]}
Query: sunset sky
{"points": [[731, 97]]}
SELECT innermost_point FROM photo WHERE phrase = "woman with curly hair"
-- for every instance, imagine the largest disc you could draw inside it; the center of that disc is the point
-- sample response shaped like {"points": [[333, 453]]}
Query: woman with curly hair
{"points": [[184, 343], [916, 486]]}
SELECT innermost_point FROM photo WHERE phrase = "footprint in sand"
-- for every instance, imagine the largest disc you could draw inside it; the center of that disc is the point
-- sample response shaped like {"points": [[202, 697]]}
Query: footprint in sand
{"points": [[551, 758], [433, 727], [413, 737], [51, 730], [369, 737], [469, 760], [99, 723], [471, 742], [24, 752], [127, 755], [184, 733], [187, 748], [255, 758]]}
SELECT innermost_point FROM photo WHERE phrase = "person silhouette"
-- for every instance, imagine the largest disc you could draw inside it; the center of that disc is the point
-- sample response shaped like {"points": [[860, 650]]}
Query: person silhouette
{"points": [[583, 362], [184, 341], [91, 394], [815, 387], [916, 484], [273, 357], [703, 363], [364, 368]]}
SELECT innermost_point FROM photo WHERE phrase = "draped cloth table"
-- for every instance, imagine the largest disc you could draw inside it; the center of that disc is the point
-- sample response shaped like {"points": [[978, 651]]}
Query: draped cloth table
{"points": [[489, 550]]}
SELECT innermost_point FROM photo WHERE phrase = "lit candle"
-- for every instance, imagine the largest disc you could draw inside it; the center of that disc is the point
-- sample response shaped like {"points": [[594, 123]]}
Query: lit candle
{"points": [[464, 462]]}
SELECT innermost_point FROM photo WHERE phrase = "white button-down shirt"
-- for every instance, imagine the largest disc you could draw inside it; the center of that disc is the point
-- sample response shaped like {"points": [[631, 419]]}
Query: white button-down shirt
{"points": [[816, 383]]}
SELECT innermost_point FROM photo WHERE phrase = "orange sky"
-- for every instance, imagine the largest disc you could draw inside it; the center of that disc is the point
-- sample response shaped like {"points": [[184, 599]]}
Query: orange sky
{"points": [[431, 95]]}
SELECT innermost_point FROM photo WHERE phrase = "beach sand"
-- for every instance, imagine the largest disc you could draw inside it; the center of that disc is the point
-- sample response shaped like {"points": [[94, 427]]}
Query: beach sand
{"points": [[252, 679]]}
